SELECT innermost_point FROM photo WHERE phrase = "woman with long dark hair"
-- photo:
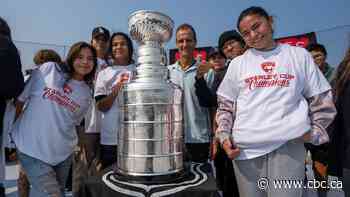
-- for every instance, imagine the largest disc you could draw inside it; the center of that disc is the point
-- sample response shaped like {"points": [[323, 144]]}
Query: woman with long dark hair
{"points": [[272, 99], [108, 84], [57, 97], [339, 146]]}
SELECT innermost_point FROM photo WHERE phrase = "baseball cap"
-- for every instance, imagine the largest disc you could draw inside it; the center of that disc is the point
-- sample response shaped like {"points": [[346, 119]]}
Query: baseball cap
{"points": [[100, 31], [213, 51]]}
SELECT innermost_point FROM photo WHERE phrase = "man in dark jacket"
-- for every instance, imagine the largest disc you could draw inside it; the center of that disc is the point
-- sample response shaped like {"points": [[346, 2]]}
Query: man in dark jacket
{"points": [[230, 46], [11, 77]]}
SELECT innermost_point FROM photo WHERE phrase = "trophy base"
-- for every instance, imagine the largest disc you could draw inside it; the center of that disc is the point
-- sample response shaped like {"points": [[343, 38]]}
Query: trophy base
{"points": [[154, 180]]}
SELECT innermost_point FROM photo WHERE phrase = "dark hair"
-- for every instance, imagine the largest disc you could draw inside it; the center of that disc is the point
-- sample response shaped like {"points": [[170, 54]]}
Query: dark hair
{"points": [[5, 28], [254, 10], [187, 26], [317, 47], [46, 55], [128, 42], [74, 53], [342, 76]]}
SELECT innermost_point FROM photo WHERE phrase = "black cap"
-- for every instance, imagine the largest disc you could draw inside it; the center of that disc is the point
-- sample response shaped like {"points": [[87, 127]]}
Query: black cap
{"points": [[227, 36], [212, 52], [100, 31]]}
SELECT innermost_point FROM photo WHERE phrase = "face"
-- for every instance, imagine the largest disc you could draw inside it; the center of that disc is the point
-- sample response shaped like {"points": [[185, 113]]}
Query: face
{"points": [[217, 62], [319, 57], [120, 48], [83, 64], [232, 49], [257, 31], [185, 42], [100, 43]]}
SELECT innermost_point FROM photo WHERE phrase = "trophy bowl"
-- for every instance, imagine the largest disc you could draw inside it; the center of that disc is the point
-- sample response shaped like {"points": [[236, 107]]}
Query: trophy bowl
{"points": [[153, 26]]}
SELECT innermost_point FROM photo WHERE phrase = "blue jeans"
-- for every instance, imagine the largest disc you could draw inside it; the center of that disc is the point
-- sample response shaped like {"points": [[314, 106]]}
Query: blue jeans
{"points": [[48, 180]]}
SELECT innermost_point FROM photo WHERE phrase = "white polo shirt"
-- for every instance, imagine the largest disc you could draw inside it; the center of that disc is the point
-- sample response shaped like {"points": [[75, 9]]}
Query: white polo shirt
{"points": [[270, 90], [110, 123], [46, 128]]}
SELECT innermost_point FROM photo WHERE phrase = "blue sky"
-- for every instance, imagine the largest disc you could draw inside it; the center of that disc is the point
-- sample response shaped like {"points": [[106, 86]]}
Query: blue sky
{"points": [[64, 22]]}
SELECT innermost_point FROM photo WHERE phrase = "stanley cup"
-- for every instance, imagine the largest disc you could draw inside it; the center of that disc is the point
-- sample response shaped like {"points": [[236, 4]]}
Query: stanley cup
{"points": [[151, 136]]}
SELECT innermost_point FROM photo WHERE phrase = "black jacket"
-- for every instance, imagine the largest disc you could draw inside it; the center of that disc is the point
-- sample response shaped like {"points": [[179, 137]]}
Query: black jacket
{"points": [[339, 146], [207, 95], [11, 77]]}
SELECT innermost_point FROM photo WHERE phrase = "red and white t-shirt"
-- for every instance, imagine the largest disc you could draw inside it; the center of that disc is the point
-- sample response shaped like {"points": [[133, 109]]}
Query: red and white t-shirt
{"points": [[55, 105], [93, 117], [270, 90], [110, 123]]}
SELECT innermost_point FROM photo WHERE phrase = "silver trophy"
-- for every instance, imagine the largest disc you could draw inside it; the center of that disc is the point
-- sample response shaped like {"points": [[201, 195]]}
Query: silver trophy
{"points": [[151, 136]]}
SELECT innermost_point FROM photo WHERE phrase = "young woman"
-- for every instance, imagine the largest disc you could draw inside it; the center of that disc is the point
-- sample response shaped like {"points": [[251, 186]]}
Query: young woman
{"points": [[109, 82], [271, 100], [57, 97], [339, 147], [41, 57]]}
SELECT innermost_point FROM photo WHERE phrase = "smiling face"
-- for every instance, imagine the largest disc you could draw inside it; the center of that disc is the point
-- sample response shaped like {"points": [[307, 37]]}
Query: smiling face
{"points": [[100, 43], [232, 49], [319, 58], [185, 42], [257, 31], [217, 61], [83, 64], [120, 51]]}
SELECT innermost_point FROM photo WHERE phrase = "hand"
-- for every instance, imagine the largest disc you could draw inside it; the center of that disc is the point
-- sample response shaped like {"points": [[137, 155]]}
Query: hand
{"points": [[231, 151], [214, 148], [307, 136], [122, 79], [320, 168], [202, 68]]}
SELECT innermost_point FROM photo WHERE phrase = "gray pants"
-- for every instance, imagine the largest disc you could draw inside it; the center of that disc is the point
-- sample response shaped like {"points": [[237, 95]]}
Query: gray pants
{"points": [[285, 163]]}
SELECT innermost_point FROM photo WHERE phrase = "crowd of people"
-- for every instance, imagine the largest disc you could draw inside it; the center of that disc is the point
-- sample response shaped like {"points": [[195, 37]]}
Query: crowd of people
{"points": [[254, 108]]}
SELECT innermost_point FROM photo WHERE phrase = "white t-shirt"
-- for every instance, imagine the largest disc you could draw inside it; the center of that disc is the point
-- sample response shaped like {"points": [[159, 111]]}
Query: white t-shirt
{"points": [[270, 91], [46, 129], [110, 123], [93, 117]]}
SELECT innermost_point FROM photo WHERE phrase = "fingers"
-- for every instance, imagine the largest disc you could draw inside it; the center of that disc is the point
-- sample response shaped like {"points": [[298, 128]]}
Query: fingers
{"points": [[202, 69], [307, 137], [214, 149], [124, 77], [231, 151]]}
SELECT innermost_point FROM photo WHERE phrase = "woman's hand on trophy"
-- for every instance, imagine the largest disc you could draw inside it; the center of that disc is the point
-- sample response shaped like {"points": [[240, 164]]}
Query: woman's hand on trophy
{"points": [[122, 79]]}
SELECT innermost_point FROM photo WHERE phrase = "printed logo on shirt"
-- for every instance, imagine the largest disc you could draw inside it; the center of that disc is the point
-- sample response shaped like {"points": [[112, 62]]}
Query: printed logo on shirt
{"points": [[269, 80], [67, 89], [268, 67], [61, 99]]}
